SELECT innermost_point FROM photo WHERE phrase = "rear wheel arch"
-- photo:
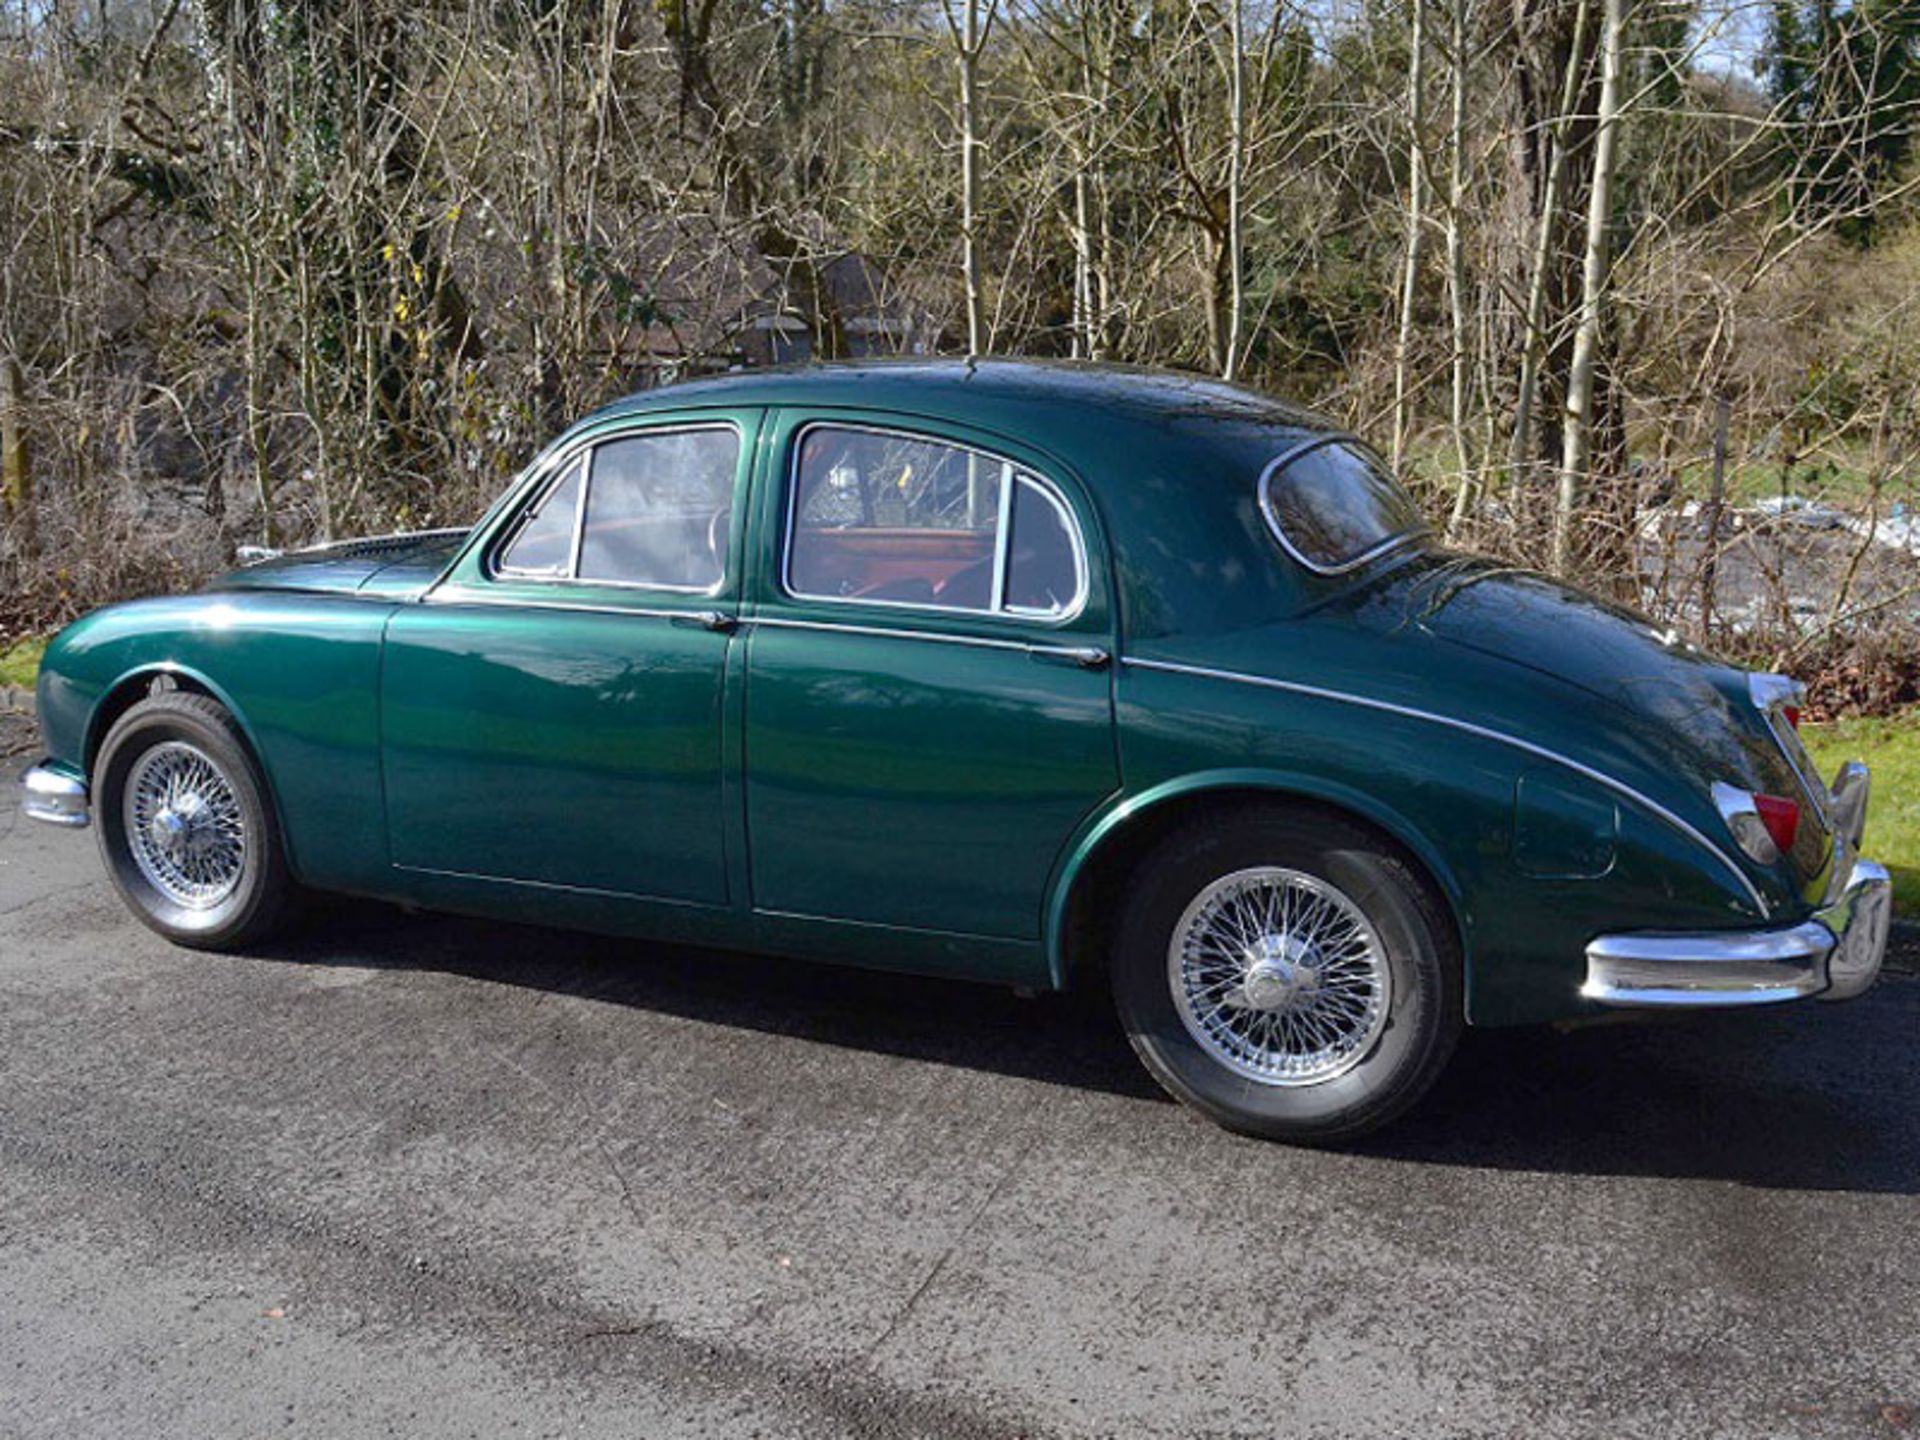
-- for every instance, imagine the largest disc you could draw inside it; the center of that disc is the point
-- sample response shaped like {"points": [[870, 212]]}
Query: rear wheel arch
{"points": [[1086, 897]]}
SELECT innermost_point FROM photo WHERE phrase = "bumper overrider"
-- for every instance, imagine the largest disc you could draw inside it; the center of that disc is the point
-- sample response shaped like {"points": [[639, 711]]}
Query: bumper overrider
{"points": [[1834, 954], [53, 796]]}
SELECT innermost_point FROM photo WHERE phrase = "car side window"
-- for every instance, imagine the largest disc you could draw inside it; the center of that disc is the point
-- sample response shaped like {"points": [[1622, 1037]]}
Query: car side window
{"points": [[659, 508], [880, 517], [653, 510], [1043, 561], [543, 544]]}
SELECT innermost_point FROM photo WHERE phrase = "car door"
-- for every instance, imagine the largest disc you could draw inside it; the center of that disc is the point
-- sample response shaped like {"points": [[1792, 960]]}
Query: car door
{"points": [[553, 712], [929, 711]]}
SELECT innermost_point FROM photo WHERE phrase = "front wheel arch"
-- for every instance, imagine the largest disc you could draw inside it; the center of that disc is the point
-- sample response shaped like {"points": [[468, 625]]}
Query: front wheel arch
{"points": [[137, 684], [1080, 907]]}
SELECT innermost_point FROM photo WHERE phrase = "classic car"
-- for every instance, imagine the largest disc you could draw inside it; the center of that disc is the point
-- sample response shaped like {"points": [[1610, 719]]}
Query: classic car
{"points": [[1039, 674]]}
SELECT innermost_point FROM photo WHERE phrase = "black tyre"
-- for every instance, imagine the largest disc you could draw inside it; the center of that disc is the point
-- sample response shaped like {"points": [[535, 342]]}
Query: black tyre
{"points": [[185, 826], [1288, 974]]}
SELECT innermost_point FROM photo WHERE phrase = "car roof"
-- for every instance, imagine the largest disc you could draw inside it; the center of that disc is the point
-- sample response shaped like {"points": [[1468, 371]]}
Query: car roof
{"points": [[997, 394]]}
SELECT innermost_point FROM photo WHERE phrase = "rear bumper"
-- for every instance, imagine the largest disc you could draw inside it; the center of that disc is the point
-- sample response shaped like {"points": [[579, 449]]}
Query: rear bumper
{"points": [[1835, 954], [53, 796]]}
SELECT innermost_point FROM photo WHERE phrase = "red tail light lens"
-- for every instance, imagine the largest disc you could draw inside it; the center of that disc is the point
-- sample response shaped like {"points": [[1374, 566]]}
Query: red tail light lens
{"points": [[1792, 712], [1781, 817]]}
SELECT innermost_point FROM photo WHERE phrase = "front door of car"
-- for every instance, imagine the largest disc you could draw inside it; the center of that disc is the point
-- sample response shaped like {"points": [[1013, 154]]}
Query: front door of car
{"points": [[929, 711], [552, 713]]}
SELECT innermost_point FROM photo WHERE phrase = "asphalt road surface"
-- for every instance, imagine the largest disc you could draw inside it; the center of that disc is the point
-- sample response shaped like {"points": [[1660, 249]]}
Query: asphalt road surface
{"points": [[410, 1175]]}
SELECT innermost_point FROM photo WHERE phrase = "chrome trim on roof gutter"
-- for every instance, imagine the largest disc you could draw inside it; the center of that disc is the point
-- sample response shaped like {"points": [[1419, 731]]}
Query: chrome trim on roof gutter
{"points": [[1652, 807]]}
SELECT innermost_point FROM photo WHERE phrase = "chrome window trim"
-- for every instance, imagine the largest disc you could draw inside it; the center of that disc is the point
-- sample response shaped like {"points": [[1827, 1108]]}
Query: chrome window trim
{"points": [[1001, 540], [587, 444], [1651, 806], [1264, 493]]}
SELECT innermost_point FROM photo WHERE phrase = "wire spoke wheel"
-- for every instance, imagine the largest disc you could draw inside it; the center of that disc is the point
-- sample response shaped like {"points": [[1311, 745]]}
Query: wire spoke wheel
{"points": [[185, 827], [1279, 977]]}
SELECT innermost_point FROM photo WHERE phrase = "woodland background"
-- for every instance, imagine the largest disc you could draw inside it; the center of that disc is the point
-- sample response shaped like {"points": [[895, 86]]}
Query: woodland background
{"points": [[1629, 289]]}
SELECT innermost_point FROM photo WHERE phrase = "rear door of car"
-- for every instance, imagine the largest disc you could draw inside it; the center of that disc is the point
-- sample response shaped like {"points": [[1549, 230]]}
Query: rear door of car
{"points": [[929, 710], [554, 712]]}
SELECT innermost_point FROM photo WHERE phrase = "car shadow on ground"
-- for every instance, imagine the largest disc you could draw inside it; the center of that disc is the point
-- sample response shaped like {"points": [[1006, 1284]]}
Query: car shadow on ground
{"points": [[1806, 1097]]}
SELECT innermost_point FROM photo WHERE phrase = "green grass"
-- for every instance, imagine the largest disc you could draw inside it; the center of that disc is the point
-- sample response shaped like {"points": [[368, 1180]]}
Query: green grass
{"points": [[20, 663], [1891, 748]]}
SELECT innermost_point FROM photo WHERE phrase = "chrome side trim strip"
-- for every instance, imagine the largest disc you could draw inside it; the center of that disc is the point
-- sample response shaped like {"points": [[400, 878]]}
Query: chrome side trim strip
{"points": [[1652, 807], [1090, 657], [554, 885], [939, 637], [518, 602]]}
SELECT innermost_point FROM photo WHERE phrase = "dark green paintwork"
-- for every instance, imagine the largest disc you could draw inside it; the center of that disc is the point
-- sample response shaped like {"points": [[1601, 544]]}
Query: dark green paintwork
{"points": [[884, 794]]}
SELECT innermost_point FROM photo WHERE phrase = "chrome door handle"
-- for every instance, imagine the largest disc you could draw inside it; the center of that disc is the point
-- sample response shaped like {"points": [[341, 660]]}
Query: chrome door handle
{"points": [[1087, 657], [706, 620]]}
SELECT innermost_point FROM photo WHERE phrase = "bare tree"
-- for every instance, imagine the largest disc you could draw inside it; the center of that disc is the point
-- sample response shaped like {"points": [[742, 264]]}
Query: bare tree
{"points": [[969, 28], [1403, 382], [1577, 452]]}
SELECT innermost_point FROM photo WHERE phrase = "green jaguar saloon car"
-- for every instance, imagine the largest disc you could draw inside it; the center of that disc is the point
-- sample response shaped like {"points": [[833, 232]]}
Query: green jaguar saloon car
{"points": [[1039, 674]]}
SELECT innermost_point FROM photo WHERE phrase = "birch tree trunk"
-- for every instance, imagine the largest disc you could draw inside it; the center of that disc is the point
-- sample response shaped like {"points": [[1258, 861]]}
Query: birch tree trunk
{"points": [[16, 464], [1457, 261], [1416, 220], [1533, 348], [1236, 165], [1082, 262], [1576, 456], [969, 36]]}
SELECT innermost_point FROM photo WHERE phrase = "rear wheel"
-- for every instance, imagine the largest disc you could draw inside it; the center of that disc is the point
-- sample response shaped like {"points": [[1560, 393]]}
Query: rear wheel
{"points": [[1287, 973], [185, 828]]}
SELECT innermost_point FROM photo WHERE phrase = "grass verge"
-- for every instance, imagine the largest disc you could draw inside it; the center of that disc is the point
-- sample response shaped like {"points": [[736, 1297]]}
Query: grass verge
{"points": [[20, 662], [1891, 748]]}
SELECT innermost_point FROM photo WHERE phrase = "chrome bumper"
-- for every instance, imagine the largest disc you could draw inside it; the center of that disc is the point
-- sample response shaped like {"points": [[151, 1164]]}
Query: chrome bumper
{"points": [[1836, 954], [49, 795]]}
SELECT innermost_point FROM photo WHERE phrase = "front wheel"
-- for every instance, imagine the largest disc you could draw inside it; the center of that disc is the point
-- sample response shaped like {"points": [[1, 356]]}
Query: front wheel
{"points": [[1288, 974], [185, 828]]}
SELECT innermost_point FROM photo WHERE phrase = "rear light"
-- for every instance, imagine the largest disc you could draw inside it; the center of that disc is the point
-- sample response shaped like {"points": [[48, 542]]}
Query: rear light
{"points": [[1792, 712], [1765, 825], [1781, 817]]}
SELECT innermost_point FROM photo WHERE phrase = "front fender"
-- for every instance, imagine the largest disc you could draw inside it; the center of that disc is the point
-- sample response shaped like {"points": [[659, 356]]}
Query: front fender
{"points": [[300, 675]]}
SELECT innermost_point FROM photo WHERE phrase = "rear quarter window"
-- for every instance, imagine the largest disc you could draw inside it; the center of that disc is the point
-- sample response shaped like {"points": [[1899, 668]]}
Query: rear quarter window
{"points": [[1332, 503]]}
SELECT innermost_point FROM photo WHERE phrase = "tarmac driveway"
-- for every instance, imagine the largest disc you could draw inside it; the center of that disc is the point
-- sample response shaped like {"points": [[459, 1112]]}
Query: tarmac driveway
{"points": [[420, 1176]]}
